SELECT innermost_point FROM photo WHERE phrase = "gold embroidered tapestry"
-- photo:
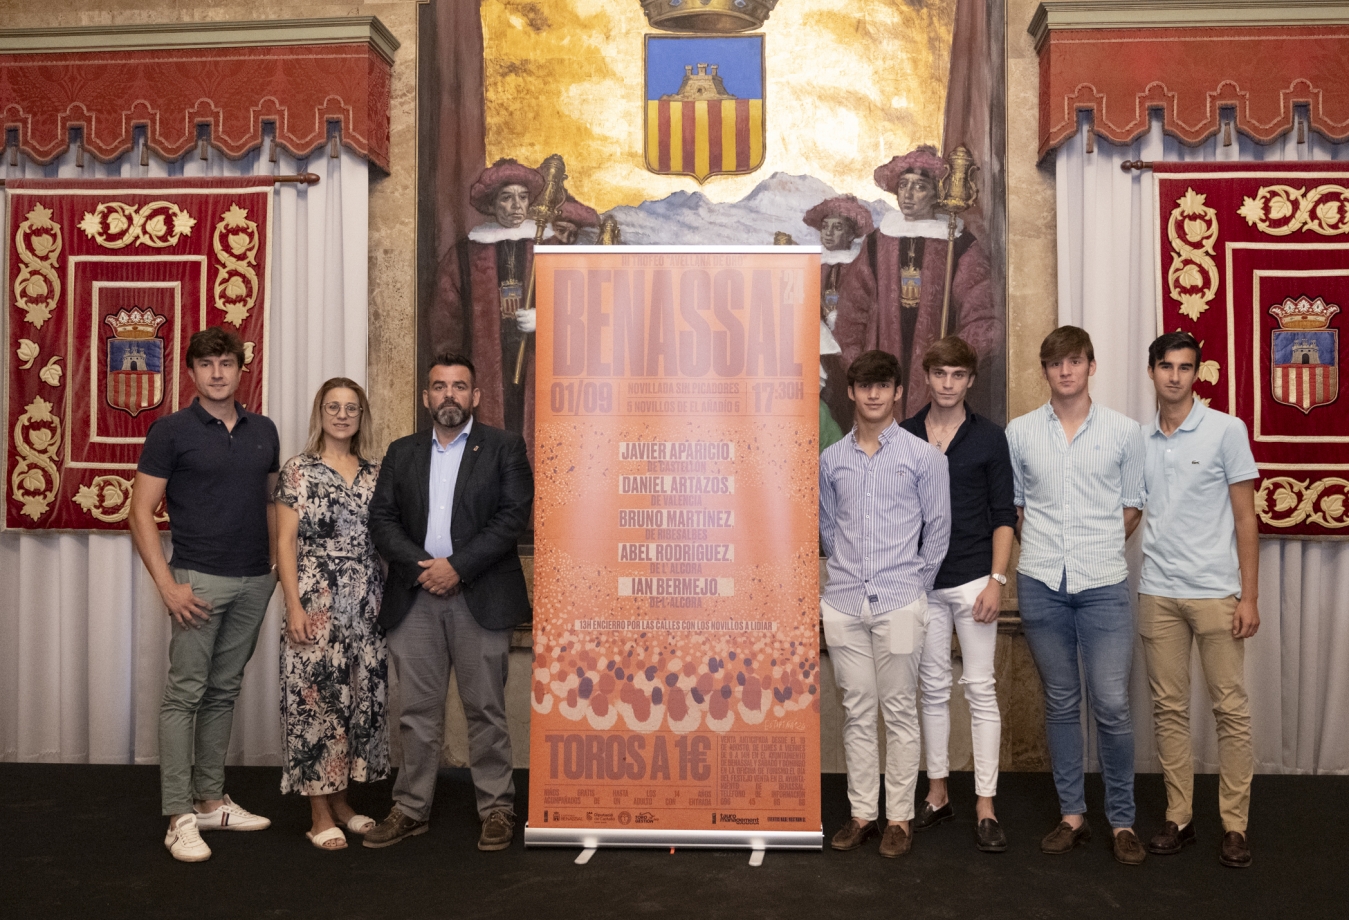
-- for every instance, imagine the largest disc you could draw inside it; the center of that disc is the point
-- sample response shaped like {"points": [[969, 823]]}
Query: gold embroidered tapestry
{"points": [[1254, 261], [107, 280]]}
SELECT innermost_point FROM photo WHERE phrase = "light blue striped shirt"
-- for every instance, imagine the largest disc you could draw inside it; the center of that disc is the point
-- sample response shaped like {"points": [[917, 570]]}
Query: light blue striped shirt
{"points": [[444, 476], [1074, 495], [885, 520]]}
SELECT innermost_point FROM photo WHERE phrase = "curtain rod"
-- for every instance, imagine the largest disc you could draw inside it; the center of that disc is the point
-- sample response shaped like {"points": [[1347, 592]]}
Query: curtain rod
{"points": [[302, 178], [1135, 164]]}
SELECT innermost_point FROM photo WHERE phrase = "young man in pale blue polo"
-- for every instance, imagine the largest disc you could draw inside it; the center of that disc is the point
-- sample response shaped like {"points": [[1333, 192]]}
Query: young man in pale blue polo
{"points": [[215, 463], [1201, 561], [1077, 472]]}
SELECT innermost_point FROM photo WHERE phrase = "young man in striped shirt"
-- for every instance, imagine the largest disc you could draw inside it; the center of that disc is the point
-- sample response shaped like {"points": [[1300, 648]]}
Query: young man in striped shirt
{"points": [[885, 520], [1078, 480]]}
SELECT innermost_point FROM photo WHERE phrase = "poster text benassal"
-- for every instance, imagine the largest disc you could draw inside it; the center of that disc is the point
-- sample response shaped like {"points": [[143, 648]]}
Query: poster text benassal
{"points": [[676, 674], [622, 322]]}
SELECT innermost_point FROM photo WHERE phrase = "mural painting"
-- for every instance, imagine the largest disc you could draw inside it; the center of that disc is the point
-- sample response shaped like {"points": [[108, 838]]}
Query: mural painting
{"points": [[724, 123]]}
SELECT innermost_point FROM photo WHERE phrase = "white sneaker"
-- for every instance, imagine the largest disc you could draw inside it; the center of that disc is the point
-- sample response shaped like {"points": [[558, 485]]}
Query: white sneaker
{"points": [[231, 817], [184, 841]]}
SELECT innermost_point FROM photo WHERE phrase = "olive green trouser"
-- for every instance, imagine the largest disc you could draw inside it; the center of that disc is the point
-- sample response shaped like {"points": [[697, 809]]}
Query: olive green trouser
{"points": [[206, 669]]}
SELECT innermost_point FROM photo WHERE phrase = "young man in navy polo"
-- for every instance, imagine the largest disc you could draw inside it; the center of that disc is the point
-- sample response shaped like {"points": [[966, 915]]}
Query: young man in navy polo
{"points": [[216, 464]]}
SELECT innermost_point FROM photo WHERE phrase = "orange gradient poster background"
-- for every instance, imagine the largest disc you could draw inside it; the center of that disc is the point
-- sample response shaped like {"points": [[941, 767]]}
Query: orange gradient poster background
{"points": [[676, 583]]}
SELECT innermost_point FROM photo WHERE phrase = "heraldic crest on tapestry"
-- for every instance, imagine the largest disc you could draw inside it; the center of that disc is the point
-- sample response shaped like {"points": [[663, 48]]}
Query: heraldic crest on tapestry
{"points": [[1305, 367], [135, 361], [1273, 240], [108, 280]]}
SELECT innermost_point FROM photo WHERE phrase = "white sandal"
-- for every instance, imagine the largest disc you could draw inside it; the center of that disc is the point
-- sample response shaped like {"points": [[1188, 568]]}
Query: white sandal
{"points": [[360, 824], [323, 838]]}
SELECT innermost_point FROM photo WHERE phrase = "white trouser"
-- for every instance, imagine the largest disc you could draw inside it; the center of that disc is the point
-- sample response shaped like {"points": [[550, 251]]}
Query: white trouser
{"points": [[875, 659], [977, 641]]}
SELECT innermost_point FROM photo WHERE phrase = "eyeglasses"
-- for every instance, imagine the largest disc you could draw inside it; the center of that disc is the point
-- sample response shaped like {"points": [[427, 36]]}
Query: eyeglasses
{"points": [[336, 409]]}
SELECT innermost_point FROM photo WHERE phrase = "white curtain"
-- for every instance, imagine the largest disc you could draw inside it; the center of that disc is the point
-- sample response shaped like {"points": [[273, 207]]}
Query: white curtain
{"points": [[83, 635], [1297, 666]]}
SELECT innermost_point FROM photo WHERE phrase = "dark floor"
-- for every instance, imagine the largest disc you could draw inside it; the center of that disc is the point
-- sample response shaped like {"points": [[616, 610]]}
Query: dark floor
{"points": [[86, 842]]}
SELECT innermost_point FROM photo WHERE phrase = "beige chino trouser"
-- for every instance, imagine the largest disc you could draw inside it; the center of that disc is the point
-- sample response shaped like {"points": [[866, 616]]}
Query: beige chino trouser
{"points": [[1169, 626]]}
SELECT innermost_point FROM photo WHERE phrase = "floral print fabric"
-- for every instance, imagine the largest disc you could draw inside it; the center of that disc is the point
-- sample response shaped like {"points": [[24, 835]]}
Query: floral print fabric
{"points": [[334, 691]]}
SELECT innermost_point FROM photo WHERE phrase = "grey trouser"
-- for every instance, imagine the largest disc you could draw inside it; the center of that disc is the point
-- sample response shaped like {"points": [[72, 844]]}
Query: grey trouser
{"points": [[206, 669], [436, 633]]}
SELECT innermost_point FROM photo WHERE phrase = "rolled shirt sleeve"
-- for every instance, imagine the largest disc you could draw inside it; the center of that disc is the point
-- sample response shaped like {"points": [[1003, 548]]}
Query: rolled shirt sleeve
{"points": [[828, 506], [1131, 468]]}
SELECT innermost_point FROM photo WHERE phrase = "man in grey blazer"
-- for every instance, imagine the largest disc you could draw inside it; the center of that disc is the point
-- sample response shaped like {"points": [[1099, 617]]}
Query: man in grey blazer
{"points": [[449, 507]]}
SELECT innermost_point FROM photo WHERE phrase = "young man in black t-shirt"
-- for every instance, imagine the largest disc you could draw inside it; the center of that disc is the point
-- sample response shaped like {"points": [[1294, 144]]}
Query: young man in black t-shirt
{"points": [[216, 464]]}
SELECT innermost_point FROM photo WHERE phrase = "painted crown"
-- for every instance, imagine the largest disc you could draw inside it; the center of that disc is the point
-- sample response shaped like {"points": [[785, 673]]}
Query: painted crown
{"points": [[1303, 313], [138, 324], [707, 15]]}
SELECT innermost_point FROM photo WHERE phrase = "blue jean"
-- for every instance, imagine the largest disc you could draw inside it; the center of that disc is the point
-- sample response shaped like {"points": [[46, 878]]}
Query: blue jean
{"points": [[1098, 623]]}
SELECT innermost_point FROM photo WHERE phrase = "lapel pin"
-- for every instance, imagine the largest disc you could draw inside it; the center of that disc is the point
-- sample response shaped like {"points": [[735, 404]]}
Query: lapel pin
{"points": [[475, 447]]}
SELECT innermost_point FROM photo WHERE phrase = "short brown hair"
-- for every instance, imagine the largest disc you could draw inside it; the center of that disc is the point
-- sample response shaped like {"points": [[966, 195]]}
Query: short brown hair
{"points": [[873, 367], [214, 342], [1064, 342], [359, 441], [952, 351]]}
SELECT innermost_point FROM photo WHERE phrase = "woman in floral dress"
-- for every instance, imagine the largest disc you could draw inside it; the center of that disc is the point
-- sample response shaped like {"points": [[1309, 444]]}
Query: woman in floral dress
{"points": [[334, 664]]}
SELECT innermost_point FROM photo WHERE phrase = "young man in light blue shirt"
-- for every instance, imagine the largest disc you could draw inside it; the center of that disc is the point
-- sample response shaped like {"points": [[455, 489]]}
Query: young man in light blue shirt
{"points": [[1077, 471], [1201, 560]]}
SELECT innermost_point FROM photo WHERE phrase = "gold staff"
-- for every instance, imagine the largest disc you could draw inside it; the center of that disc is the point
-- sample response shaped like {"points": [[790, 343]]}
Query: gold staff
{"points": [[958, 192], [542, 212], [610, 235]]}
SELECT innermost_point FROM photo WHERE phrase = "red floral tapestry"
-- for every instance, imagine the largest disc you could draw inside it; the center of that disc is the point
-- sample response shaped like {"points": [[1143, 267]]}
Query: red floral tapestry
{"points": [[106, 282], [1254, 261]]}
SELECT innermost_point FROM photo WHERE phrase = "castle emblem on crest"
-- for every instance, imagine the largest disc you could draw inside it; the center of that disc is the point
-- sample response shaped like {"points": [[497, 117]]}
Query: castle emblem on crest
{"points": [[704, 105], [1304, 372], [135, 360]]}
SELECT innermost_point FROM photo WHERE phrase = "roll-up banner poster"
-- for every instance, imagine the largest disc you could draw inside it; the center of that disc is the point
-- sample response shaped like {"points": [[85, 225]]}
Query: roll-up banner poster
{"points": [[676, 679]]}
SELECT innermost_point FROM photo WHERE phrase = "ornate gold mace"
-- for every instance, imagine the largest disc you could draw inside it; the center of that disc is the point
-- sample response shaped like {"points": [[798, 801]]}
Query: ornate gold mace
{"points": [[543, 211], [958, 192], [609, 235]]}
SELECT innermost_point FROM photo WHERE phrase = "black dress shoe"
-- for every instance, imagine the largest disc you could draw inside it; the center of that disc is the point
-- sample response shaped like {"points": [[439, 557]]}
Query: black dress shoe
{"points": [[931, 817], [1171, 839], [990, 836]]}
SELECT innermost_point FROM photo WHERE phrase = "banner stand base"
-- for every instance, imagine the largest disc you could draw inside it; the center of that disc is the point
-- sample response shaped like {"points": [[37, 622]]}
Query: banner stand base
{"points": [[588, 839]]}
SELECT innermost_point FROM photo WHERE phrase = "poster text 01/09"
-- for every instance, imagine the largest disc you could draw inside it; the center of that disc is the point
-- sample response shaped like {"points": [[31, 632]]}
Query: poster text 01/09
{"points": [[676, 583]]}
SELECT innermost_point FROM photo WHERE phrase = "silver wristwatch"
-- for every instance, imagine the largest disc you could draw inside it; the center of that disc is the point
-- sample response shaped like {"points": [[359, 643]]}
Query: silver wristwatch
{"points": [[1000, 579]]}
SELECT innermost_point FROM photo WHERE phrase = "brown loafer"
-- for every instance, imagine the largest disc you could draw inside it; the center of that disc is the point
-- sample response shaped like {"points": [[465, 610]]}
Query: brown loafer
{"points": [[1128, 848], [852, 835], [497, 831], [1065, 838], [895, 842], [1235, 850], [393, 829], [1171, 839]]}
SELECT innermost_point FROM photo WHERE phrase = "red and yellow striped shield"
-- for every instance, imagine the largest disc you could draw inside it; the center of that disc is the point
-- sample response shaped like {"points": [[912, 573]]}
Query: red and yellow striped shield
{"points": [[704, 105]]}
